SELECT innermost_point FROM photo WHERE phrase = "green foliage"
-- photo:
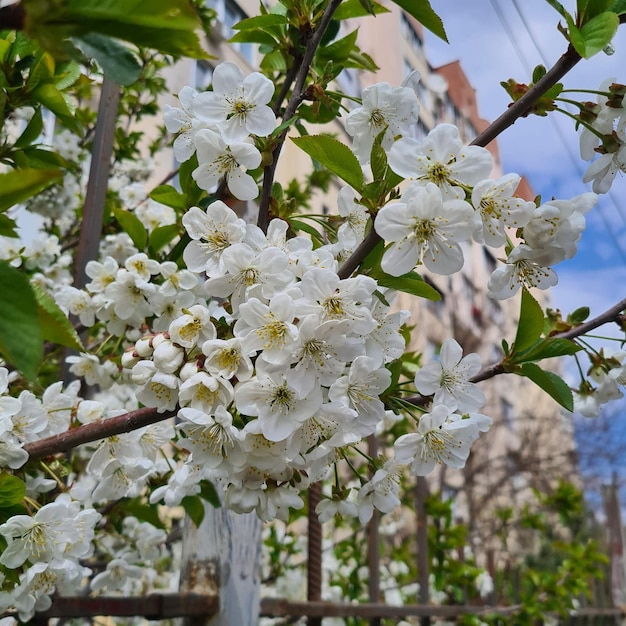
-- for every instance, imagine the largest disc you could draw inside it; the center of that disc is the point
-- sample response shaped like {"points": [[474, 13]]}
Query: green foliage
{"points": [[21, 341], [117, 61], [424, 14], [165, 25], [12, 490], [19, 185], [333, 155], [54, 325]]}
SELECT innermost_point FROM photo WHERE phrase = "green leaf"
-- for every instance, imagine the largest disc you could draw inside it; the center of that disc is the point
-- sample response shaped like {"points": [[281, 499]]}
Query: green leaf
{"points": [[254, 36], [315, 234], [339, 50], [587, 9], [424, 14], [48, 95], [557, 6], [143, 512], [598, 32], [165, 25], [19, 185], [579, 315], [117, 61], [12, 490], [619, 7], [530, 324], [355, 8], [552, 384], [547, 349], [187, 183], [20, 335], [8, 226], [169, 196], [194, 507], [39, 158], [261, 21], [32, 131], [209, 493], [333, 155], [575, 36], [67, 74], [411, 283], [133, 227], [162, 235], [55, 326]]}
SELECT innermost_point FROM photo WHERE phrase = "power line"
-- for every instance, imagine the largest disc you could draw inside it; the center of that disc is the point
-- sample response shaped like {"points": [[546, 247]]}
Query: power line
{"points": [[563, 140]]}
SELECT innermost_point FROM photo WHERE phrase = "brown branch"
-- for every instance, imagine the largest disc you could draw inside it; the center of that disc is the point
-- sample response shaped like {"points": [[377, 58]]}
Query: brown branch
{"points": [[518, 109], [614, 314], [99, 429], [296, 98], [12, 17], [522, 107]]}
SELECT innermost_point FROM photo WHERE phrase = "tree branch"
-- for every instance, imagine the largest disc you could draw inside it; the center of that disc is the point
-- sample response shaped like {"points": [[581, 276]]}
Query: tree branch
{"points": [[614, 314], [296, 98], [12, 17], [522, 107], [100, 429], [518, 109]]}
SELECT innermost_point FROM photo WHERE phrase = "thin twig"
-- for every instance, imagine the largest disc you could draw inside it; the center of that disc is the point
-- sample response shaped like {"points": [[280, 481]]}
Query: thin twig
{"points": [[297, 96]]}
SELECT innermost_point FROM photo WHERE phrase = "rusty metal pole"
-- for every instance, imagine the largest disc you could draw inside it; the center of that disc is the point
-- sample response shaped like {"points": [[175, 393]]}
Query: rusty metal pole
{"points": [[373, 544], [314, 562], [423, 566]]}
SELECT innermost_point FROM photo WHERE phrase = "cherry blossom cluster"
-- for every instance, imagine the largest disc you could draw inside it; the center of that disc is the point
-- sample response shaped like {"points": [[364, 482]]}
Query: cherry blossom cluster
{"points": [[272, 391], [604, 133], [450, 199], [217, 125]]}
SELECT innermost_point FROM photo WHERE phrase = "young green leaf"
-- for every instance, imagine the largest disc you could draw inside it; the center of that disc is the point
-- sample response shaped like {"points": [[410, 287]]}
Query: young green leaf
{"points": [[194, 507], [209, 493], [55, 326], [356, 8], [530, 324], [552, 384], [424, 14], [32, 131], [21, 342], [333, 155], [411, 283], [117, 61], [169, 196], [547, 349], [12, 490], [598, 32], [19, 185], [133, 227], [162, 235]]}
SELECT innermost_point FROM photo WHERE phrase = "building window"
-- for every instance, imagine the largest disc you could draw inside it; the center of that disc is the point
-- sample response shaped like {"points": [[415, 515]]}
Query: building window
{"points": [[506, 410], [410, 34], [230, 13], [203, 75], [490, 261]]}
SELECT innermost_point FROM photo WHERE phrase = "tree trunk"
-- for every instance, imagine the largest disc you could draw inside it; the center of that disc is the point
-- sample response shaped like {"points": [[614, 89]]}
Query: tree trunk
{"points": [[222, 557]]}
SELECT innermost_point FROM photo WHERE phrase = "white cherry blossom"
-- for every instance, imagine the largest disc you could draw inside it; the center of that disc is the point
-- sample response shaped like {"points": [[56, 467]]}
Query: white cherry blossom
{"points": [[217, 160], [424, 229], [384, 108], [441, 159], [237, 104], [449, 379]]}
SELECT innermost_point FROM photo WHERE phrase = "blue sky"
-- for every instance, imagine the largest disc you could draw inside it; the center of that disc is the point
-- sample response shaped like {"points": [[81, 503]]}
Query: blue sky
{"points": [[545, 150]]}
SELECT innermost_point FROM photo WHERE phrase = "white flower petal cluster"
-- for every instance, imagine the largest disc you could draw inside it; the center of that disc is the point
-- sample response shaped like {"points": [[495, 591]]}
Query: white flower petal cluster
{"points": [[442, 437], [609, 124], [218, 126], [424, 228], [297, 375], [392, 110]]}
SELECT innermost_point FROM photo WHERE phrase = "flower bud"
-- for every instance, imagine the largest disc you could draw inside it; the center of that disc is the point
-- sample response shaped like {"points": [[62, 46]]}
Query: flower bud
{"points": [[168, 357]]}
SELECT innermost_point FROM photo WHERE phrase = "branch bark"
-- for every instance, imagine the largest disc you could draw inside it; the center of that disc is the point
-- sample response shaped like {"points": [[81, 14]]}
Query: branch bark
{"points": [[297, 96], [12, 17], [100, 429]]}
